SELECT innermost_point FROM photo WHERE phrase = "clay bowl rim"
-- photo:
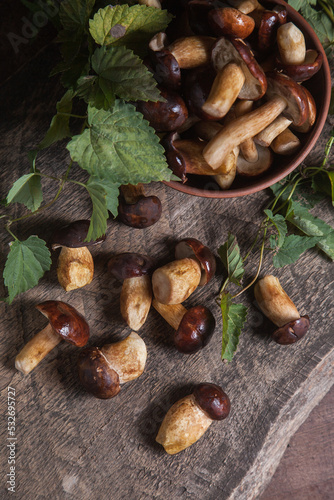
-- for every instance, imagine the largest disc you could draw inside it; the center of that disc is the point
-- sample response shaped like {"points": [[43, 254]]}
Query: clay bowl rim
{"points": [[308, 146]]}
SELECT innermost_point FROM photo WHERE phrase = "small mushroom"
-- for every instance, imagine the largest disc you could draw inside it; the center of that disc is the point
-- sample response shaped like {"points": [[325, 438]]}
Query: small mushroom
{"points": [[286, 143], [176, 281], [270, 21], [65, 323], [102, 370], [304, 71], [285, 96], [133, 270], [267, 135], [291, 44], [193, 328], [251, 169], [165, 116], [231, 22], [137, 210], [188, 419], [238, 75], [197, 84], [75, 262], [311, 114], [279, 308]]}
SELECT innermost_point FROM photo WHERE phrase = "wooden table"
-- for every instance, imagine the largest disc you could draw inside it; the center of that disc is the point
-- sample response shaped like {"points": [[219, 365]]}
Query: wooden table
{"points": [[70, 445]]}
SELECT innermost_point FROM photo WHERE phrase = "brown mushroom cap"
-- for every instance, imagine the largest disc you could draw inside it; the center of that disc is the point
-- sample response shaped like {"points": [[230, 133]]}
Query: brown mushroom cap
{"points": [[302, 72], [96, 374], [231, 22], [129, 265], [195, 330], [311, 115], [294, 95], [190, 247], [212, 400], [250, 169], [235, 50], [73, 235], [167, 71], [197, 85], [292, 332], [145, 212], [66, 321]]}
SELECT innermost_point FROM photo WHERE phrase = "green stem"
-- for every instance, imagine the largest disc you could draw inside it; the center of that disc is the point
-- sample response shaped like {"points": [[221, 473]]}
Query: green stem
{"points": [[327, 10], [71, 115], [10, 232]]}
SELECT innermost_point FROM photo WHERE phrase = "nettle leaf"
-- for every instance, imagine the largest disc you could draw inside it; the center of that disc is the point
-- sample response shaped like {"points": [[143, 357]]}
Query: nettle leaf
{"points": [[130, 26], [27, 190], [320, 22], [98, 221], [231, 259], [120, 146], [74, 14], [292, 249], [234, 317], [310, 225], [324, 182], [59, 127], [111, 191], [279, 222], [26, 263]]}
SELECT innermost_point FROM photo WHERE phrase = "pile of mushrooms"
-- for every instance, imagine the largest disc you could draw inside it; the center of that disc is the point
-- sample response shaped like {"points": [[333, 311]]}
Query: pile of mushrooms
{"points": [[240, 67]]}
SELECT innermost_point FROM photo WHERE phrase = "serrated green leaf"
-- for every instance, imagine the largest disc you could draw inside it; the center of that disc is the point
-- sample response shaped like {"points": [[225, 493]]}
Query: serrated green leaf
{"points": [[119, 73], [292, 249], [59, 127], [98, 221], [112, 192], [74, 14], [310, 225], [279, 222], [27, 190], [234, 317], [119, 145], [130, 26], [26, 263], [231, 259]]}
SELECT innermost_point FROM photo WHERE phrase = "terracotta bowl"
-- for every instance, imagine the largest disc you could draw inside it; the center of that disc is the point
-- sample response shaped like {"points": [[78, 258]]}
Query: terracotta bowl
{"points": [[319, 86]]}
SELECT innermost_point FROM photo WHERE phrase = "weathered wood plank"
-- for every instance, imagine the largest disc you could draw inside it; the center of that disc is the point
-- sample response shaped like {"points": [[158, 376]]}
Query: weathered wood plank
{"points": [[71, 445]]}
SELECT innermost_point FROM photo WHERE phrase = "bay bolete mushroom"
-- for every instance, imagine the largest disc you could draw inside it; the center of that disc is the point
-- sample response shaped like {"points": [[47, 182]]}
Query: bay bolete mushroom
{"points": [[103, 370], [238, 75], [193, 328], [251, 169], [279, 308], [133, 269], [75, 262], [285, 96], [188, 419], [193, 248], [286, 143], [137, 210], [65, 323], [231, 22]]}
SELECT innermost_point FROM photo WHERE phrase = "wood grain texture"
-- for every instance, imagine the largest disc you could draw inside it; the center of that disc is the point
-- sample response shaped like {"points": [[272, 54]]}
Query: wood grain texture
{"points": [[71, 445]]}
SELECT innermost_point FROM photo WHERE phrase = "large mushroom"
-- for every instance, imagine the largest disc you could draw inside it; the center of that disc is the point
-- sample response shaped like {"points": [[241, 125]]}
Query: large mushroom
{"points": [[238, 75], [75, 262], [133, 269], [137, 210], [65, 323], [279, 308], [193, 328], [285, 96], [103, 370]]}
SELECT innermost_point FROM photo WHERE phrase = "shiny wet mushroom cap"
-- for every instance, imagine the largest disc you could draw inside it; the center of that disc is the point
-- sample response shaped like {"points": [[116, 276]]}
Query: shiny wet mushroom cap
{"points": [[193, 248]]}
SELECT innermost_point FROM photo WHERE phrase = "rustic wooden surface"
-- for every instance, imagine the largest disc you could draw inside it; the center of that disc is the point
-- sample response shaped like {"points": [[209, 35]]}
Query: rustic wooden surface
{"points": [[71, 445]]}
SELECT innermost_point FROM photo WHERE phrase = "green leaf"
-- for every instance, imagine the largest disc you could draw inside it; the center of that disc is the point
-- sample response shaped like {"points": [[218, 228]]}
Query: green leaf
{"points": [[111, 191], [74, 14], [120, 72], [310, 225], [26, 263], [59, 126], [231, 259], [119, 145], [98, 221], [130, 26], [292, 249], [234, 317], [279, 222], [27, 190], [303, 194]]}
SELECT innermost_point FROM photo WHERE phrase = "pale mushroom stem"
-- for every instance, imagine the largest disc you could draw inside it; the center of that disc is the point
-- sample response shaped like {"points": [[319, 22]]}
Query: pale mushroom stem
{"points": [[75, 268], [248, 147], [173, 314], [151, 3], [192, 51], [242, 128], [266, 137], [36, 349], [286, 143], [225, 90], [135, 300]]}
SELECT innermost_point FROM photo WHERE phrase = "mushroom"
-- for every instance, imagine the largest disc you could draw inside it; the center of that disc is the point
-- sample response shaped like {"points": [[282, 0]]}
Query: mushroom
{"points": [[137, 210], [267, 135], [231, 22], [238, 75], [245, 6], [194, 249], [101, 371], [193, 328], [165, 116], [196, 88], [136, 295], [291, 44], [286, 143], [304, 71], [75, 262], [251, 169], [268, 24], [311, 115], [247, 147], [285, 96], [279, 308], [65, 323], [188, 419]]}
